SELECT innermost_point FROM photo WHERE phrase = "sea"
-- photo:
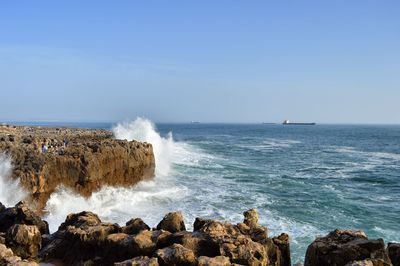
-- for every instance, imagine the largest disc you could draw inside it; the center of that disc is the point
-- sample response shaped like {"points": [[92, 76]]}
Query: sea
{"points": [[303, 180]]}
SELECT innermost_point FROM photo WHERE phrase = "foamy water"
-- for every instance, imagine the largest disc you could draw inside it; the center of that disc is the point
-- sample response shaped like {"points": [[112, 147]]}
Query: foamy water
{"points": [[10, 190]]}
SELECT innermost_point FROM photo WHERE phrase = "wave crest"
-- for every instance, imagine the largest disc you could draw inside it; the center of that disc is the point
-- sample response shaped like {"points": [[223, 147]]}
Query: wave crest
{"points": [[144, 130]]}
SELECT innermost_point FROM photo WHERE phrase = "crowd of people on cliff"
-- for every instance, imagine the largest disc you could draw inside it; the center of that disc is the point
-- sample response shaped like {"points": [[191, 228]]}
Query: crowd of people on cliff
{"points": [[53, 147]]}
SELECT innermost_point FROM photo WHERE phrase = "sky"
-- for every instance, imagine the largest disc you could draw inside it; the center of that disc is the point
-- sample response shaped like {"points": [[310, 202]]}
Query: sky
{"points": [[207, 61]]}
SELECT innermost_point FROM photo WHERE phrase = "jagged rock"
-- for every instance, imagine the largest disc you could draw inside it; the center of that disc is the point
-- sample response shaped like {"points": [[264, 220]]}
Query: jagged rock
{"points": [[251, 218], [243, 250], [143, 244], [176, 255], [139, 261], [199, 243], [7, 257], [2, 207], [21, 214], [199, 223], [282, 242], [343, 246], [172, 222], [215, 261], [24, 240], [394, 253], [80, 238], [81, 219], [134, 226], [368, 262], [83, 160]]}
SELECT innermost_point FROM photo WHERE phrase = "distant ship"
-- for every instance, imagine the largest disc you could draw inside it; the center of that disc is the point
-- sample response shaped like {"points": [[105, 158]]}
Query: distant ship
{"points": [[287, 122], [195, 122]]}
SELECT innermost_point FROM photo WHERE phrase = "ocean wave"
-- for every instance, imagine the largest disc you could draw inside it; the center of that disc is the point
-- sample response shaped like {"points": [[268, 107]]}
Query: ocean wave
{"points": [[270, 144], [10, 190]]}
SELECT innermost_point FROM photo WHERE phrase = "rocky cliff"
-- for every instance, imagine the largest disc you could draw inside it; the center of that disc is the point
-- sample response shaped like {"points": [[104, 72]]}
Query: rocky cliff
{"points": [[80, 159]]}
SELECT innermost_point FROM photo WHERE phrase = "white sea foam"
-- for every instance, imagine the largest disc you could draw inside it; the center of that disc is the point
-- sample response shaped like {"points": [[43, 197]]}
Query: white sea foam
{"points": [[10, 190], [149, 200], [143, 129]]}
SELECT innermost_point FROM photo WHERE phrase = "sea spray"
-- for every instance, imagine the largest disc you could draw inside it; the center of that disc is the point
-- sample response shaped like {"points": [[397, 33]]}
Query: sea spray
{"points": [[149, 200], [10, 190], [143, 129]]}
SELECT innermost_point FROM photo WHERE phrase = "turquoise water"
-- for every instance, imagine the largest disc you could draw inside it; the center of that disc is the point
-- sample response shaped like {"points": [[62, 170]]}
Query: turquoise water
{"points": [[304, 180]]}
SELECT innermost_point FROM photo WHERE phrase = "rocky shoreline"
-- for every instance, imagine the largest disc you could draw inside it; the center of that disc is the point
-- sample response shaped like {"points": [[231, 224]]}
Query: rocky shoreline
{"points": [[83, 239], [83, 160]]}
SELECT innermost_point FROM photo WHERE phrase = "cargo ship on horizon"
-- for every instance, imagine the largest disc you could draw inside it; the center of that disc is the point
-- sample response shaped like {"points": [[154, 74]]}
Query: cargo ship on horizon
{"points": [[287, 122]]}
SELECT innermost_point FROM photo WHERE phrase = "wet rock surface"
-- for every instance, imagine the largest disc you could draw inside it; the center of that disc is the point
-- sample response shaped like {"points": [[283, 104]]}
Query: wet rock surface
{"points": [[346, 247], [83, 160]]}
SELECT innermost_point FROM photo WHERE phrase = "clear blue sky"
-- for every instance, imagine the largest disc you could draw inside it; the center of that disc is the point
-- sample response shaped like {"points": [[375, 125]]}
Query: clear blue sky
{"points": [[215, 61]]}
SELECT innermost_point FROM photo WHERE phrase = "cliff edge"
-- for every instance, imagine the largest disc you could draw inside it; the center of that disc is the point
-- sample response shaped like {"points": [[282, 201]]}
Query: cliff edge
{"points": [[83, 160]]}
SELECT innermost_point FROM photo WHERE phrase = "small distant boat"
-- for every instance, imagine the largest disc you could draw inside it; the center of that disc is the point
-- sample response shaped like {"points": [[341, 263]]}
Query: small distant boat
{"points": [[195, 122], [287, 122]]}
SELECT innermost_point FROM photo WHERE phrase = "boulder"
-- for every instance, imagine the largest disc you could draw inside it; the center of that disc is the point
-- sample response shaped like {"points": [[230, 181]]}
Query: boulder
{"points": [[199, 223], [215, 261], [2, 207], [7, 257], [176, 255], [172, 222], [368, 262], [344, 246], [251, 218], [138, 261], [196, 241], [21, 214], [394, 253], [244, 251], [80, 219], [282, 242], [24, 240], [134, 226]]}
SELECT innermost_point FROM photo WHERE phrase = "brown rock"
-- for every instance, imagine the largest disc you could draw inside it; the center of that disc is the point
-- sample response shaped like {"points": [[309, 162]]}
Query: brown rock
{"points": [[7, 257], [199, 223], [139, 261], [24, 240], [21, 214], [251, 218], [282, 242], [344, 246], [199, 243], [143, 244], [134, 226], [368, 262], [243, 250], [394, 253], [90, 160], [172, 222], [215, 261], [176, 255], [80, 220]]}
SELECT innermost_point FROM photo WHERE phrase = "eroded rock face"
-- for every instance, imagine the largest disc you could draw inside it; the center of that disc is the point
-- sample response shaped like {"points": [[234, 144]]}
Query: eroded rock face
{"points": [[139, 261], [341, 247], [80, 159], [21, 214], [176, 255], [172, 222], [7, 257], [24, 240], [394, 253]]}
